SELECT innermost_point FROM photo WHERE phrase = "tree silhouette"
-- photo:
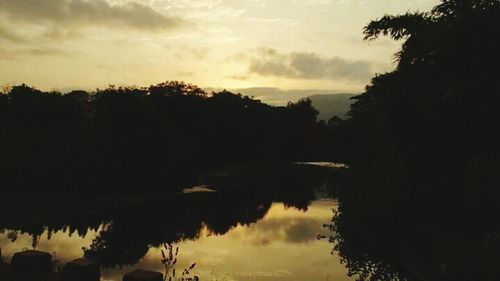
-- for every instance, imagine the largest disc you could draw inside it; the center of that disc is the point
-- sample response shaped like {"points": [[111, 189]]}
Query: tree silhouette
{"points": [[423, 150], [117, 139], [436, 109]]}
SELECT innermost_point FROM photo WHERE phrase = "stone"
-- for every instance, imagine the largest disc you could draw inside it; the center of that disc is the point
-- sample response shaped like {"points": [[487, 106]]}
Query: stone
{"points": [[82, 270], [143, 275], [31, 265]]}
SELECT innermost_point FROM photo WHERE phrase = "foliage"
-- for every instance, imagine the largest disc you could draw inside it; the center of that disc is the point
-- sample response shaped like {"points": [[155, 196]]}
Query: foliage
{"points": [[115, 139], [422, 145], [435, 114]]}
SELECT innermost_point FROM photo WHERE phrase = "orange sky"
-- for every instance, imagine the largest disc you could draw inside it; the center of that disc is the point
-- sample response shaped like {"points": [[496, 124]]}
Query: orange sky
{"points": [[286, 44]]}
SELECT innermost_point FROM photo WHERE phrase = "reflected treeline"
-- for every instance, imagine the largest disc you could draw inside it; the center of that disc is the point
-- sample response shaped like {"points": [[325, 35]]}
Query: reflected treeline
{"points": [[81, 144], [423, 200], [129, 231], [290, 183], [386, 246]]}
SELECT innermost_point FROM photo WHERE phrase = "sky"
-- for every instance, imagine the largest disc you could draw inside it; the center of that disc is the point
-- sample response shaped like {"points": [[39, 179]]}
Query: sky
{"points": [[283, 46]]}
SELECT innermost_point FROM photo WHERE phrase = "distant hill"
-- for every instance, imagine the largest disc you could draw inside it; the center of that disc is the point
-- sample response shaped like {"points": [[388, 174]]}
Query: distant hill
{"points": [[329, 105]]}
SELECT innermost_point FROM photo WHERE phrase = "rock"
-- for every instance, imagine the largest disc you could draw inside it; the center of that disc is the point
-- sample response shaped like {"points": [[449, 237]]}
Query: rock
{"points": [[82, 270], [143, 275], [31, 265]]}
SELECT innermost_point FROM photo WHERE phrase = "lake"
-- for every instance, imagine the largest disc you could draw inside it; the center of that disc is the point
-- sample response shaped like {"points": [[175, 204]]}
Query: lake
{"points": [[248, 233], [283, 245]]}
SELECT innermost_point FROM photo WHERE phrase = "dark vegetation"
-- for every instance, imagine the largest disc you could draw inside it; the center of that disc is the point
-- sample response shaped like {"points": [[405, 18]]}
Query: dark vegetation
{"points": [[423, 199], [135, 140], [420, 200], [132, 229]]}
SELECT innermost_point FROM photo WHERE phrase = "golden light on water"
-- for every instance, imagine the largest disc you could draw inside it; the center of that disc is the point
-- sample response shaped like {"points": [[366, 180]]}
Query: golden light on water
{"points": [[281, 246]]}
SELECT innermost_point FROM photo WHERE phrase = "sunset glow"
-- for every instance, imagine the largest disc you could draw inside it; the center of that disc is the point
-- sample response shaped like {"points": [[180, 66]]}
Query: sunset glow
{"points": [[286, 44]]}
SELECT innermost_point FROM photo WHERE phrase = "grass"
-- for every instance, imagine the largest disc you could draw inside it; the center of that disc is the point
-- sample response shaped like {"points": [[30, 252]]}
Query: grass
{"points": [[169, 260]]}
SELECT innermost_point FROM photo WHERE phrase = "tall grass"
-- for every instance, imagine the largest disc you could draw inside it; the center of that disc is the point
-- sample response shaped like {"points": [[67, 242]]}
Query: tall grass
{"points": [[169, 261]]}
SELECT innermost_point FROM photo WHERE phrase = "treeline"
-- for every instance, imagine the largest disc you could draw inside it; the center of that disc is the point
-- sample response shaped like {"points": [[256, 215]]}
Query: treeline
{"points": [[422, 142], [429, 129], [133, 139]]}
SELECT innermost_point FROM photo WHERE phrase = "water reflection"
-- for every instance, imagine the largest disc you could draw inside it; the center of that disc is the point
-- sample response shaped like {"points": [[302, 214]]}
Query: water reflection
{"points": [[261, 224], [135, 229], [280, 246], [64, 244], [382, 239], [276, 242]]}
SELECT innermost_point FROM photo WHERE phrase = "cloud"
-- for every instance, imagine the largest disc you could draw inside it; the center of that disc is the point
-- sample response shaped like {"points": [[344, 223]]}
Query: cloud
{"points": [[303, 65], [185, 52], [10, 36], [290, 230], [13, 54], [200, 53], [77, 13], [268, 21], [201, 10], [238, 57], [239, 77], [320, 2]]}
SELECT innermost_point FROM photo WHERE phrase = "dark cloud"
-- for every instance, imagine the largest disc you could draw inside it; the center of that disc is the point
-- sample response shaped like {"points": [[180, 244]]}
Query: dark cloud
{"points": [[76, 13], [302, 65]]}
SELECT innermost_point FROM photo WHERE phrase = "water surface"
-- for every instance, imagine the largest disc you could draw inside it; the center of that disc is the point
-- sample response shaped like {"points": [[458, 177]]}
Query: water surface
{"points": [[282, 245]]}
